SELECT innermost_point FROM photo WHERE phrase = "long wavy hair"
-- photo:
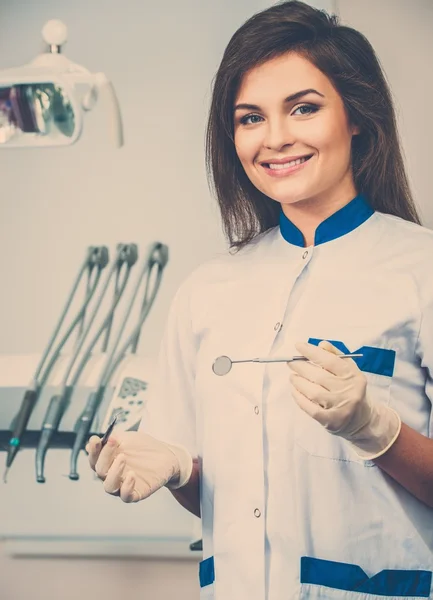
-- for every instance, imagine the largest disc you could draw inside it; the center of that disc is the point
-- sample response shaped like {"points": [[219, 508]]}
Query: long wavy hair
{"points": [[347, 58]]}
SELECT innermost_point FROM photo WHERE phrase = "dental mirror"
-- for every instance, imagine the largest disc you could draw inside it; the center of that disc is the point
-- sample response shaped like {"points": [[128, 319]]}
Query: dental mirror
{"points": [[223, 364]]}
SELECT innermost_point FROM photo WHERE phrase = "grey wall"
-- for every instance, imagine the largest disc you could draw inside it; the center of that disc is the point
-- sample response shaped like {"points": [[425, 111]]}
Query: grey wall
{"points": [[401, 33]]}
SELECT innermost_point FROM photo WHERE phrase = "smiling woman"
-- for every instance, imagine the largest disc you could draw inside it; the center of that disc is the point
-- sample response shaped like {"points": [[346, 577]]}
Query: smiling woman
{"points": [[311, 88], [295, 148], [313, 477]]}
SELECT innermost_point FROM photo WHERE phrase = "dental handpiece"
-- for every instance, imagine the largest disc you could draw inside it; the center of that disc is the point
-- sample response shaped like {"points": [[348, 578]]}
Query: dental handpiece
{"points": [[158, 255], [126, 256], [42, 374]]}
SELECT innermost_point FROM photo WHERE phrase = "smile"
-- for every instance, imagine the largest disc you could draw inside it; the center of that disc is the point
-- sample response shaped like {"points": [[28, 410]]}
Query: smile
{"points": [[281, 170]]}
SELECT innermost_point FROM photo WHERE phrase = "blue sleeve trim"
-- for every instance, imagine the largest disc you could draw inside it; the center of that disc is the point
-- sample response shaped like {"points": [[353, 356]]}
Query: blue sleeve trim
{"points": [[379, 361], [206, 572], [351, 578]]}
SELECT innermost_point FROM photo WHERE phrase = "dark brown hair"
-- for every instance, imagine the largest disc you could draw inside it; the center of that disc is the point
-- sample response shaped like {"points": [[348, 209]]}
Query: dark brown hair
{"points": [[347, 58]]}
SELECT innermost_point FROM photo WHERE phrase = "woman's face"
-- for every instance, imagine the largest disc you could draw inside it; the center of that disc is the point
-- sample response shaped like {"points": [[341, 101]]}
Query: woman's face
{"points": [[271, 128]]}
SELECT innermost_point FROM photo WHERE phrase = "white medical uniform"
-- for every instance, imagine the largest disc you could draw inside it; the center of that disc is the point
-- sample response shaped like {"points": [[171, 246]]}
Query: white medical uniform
{"points": [[288, 510]]}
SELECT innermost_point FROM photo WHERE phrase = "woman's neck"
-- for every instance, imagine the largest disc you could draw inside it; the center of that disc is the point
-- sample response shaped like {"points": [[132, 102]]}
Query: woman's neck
{"points": [[308, 214]]}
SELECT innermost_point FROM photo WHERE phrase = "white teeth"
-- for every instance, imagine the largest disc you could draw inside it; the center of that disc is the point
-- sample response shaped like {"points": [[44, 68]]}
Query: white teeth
{"points": [[289, 164]]}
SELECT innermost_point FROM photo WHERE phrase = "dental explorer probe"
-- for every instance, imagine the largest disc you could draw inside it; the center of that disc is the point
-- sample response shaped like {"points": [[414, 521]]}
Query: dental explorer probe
{"points": [[126, 255], [158, 255], [223, 364], [94, 257], [109, 431]]}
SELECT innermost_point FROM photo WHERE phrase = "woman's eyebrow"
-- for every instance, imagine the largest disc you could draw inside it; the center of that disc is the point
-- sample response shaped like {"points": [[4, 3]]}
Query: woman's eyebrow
{"points": [[290, 98]]}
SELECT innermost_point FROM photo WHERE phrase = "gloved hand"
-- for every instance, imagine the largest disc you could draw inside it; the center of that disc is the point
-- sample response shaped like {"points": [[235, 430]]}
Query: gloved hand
{"points": [[135, 465], [334, 392]]}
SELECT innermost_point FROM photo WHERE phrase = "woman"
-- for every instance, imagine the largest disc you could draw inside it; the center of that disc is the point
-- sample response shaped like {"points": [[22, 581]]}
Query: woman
{"points": [[315, 478]]}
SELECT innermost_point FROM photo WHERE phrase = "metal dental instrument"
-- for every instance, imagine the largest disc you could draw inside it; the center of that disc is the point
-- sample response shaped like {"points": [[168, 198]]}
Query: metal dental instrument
{"points": [[110, 320], [19, 424], [83, 316], [119, 392], [158, 255], [109, 431], [126, 256], [223, 364]]}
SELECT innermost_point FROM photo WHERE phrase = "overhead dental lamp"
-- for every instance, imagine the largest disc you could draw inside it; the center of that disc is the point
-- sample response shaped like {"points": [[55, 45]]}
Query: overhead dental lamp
{"points": [[43, 102]]}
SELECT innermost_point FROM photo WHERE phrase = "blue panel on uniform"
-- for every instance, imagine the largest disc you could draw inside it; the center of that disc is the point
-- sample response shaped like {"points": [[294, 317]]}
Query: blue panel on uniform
{"points": [[343, 576], [206, 572], [380, 361]]}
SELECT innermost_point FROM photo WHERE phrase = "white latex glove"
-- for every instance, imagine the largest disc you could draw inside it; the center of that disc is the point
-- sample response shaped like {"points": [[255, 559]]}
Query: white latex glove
{"points": [[134, 465], [334, 392]]}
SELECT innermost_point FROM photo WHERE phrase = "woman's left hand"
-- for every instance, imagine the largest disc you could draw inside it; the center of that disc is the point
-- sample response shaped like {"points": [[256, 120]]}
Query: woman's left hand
{"points": [[334, 392]]}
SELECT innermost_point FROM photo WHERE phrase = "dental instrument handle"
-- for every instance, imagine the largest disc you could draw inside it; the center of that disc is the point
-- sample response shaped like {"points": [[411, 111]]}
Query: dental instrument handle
{"points": [[20, 426], [274, 359], [132, 340], [84, 266], [293, 358], [59, 404], [103, 259], [278, 359], [85, 420], [31, 396], [50, 425], [127, 256], [83, 315], [82, 429]]}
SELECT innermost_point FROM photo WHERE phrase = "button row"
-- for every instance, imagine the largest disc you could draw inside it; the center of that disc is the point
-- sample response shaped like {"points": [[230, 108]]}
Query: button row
{"points": [[257, 512]]}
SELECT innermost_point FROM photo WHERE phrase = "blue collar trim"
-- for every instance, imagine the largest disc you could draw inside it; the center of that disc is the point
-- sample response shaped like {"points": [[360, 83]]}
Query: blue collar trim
{"points": [[340, 223]]}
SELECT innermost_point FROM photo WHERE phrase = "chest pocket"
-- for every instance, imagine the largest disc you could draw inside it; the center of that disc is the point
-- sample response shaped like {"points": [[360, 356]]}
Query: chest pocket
{"points": [[378, 365], [374, 361]]}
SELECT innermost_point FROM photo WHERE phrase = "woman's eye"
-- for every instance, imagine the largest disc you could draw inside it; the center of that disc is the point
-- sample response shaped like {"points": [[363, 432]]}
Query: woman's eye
{"points": [[306, 109], [310, 108], [245, 120]]}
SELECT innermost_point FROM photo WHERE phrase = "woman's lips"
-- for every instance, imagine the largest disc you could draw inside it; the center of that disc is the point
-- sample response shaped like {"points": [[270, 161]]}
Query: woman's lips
{"points": [[283, 172]]}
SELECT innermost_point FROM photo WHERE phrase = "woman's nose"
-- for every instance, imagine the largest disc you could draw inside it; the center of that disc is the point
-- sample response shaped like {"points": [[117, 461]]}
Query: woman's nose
{"points": [[277, 134]]}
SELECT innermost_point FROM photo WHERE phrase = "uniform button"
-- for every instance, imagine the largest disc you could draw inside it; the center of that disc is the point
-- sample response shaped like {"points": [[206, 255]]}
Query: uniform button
{"points": [[257, 513], [277, 326], [256, 410], [305, 254]]}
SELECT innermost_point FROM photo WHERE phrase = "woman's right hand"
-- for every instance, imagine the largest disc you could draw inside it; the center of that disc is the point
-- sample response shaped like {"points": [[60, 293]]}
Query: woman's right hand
{"points": [[134, 465]]}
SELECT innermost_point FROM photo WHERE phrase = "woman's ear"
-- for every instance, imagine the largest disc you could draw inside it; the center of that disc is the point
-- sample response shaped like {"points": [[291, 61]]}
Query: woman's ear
{"points": [[355, 130]]}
